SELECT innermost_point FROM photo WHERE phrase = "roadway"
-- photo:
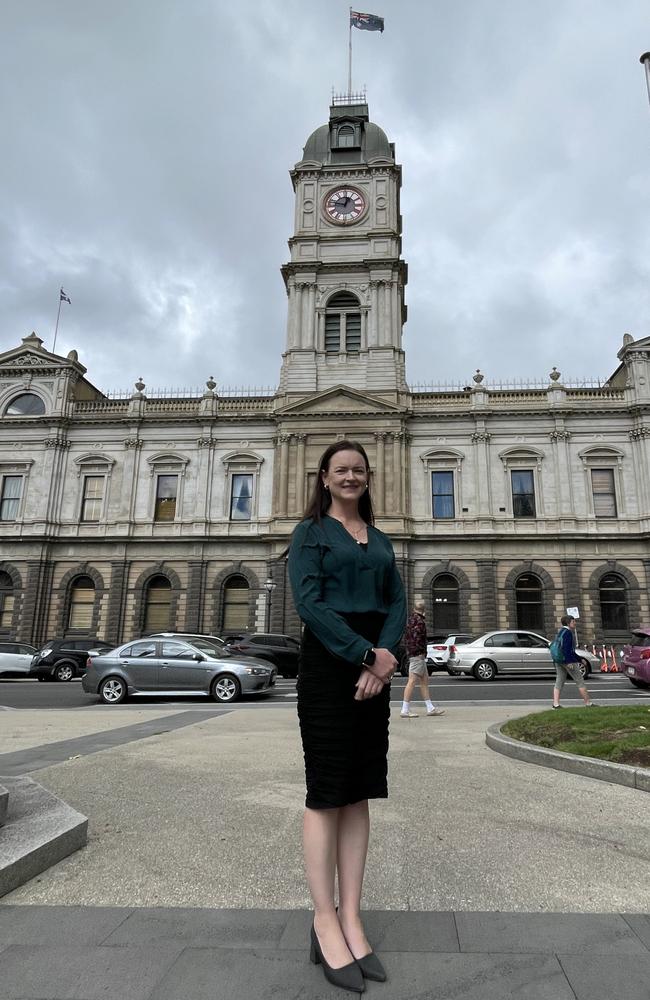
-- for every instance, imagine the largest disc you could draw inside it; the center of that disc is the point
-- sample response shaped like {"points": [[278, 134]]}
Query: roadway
{"points": [[23, 693]]}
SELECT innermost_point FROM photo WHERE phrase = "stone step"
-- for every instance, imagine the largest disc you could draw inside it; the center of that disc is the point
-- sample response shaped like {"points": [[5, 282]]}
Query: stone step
{"points": [[39, 831]]}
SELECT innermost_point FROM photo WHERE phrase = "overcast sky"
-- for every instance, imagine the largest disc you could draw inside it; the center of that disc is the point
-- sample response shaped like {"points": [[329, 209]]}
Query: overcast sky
{"points": [[145, 158]]}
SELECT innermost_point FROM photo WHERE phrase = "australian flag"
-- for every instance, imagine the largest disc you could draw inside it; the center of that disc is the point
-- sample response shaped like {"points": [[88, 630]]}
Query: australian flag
{"points": [[367, 22]]}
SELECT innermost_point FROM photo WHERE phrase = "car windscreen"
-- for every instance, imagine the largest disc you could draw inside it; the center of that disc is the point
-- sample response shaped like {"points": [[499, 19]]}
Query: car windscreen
{"points": [[640, 639]]}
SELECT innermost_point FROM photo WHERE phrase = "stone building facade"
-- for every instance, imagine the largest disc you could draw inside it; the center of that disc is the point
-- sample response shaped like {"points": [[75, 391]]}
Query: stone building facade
{"points": [[505, 506]]}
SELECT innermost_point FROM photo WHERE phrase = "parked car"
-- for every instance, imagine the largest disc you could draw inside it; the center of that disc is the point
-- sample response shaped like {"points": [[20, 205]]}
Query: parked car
{"points": [[15, 659], [440, 649], [63, 659], [636, 658], [511, 652], [211, 641], [281, 650], [170, 667]]}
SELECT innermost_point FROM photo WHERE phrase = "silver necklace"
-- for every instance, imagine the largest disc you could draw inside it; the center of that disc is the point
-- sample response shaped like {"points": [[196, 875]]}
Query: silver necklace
{"points": [[351, 531]]}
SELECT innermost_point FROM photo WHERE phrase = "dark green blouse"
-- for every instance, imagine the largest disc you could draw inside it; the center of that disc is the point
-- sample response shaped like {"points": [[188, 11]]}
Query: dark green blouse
{"points": [[331, 574]]}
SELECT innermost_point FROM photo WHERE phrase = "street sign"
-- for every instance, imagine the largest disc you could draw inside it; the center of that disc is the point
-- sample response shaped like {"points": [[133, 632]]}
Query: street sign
{"points": [[574, 612]]}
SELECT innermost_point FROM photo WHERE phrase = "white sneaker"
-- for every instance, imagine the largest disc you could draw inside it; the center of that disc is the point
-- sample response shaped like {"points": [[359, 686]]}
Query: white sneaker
{"points": [[408, 715], [436, 711]]}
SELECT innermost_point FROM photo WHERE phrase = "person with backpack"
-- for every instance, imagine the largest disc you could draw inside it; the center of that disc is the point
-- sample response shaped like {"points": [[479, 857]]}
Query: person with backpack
{"points": [[563, 651]]}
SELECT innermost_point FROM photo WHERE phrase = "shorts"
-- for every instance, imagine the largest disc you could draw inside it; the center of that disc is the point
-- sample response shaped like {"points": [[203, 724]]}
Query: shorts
{"points": [[570, 669], [418, 665]]}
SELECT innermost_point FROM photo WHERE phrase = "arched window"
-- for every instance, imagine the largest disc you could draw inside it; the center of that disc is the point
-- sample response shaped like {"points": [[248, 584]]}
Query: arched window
{"points": [[613, 603], [528, 596], [343, 324], [158, 605], [445, 603], [82, 604], [346, 136], [236, 599], [26, 405], [6, 600]]}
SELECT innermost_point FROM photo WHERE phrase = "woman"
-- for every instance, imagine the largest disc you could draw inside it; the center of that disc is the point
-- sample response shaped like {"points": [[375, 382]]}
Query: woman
{"points": [[569, 663], [349, 594]]}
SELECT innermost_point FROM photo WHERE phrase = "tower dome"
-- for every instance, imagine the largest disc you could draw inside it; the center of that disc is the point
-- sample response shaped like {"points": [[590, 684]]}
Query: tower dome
{"points": [[349, 137]]}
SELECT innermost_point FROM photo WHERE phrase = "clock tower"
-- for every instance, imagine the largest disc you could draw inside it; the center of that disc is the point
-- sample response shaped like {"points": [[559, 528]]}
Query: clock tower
{"points": [[345, 280]]}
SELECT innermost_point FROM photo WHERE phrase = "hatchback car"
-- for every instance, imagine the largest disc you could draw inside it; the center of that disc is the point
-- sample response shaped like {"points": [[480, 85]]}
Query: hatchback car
{"points": [[281, 650], [636, 658], [63, 659], [169, 667], [440, 649], [15, 659], [511, 652]]}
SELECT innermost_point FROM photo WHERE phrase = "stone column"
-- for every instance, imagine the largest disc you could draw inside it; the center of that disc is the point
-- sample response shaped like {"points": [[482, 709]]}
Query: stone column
{"points": [[311, 316], [372, 319], [385, 332], [284, 474], [487, 594], [300, 473], [194, 598], [482, 479], [380, 473], [116, 599], [397, 472]]}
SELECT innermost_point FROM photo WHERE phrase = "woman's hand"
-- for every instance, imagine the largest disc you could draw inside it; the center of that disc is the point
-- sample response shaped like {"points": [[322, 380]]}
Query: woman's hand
{"points": [[368, 685], [384, 666]]}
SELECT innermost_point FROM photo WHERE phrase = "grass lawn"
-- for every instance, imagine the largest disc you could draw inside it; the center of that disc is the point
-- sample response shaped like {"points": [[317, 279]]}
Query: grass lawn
{"points": [[617, 733]]}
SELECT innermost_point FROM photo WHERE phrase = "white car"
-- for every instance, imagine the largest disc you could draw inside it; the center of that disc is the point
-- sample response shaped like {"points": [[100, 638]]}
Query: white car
{"points": [[510, 652], [15, 658], [439, 650]]}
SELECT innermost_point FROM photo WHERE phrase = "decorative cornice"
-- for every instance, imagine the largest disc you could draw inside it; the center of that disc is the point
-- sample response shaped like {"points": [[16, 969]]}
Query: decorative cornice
{"points": [[56, 443], [478, 436], [560, 435], [133, 443], [637, 433], [206, 443]]}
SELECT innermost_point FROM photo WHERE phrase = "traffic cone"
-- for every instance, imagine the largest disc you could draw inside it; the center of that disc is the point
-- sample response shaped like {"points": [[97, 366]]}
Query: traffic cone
{"points": [[614, 667], [604, 668]]}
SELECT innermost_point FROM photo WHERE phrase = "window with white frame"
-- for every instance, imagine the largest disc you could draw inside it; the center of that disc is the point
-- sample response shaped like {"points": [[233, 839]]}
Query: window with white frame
{"points": [[82, 604], [603, 492], [241, 497], [241, 487], [6, 600], [10, 497], [442, 495], [523, 492], [167, 471], [92, 498], [166, 498]]}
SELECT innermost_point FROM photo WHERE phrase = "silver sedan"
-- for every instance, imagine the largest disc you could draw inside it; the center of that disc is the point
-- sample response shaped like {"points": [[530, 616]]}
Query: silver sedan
{"points": [[509, 653], [169, 667]]}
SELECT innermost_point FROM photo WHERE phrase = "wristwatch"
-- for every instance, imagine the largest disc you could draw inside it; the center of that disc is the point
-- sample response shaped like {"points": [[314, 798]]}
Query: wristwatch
{"points": [[369, 657]]}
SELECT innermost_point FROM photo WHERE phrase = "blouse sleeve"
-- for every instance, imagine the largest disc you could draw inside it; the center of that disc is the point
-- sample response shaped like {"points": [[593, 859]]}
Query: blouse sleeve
{"points": [[305, 574], [393, 628]]}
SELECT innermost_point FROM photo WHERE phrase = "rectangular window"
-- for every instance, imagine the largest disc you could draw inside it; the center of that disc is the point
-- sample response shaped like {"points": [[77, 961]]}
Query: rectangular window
{"points": [[93, 496], [353, 333], [332, 333], [241, 500], [10, 499], [81, 609], [604, 494], [442, 485], [523, 493], [6, 610], [166, 493]]}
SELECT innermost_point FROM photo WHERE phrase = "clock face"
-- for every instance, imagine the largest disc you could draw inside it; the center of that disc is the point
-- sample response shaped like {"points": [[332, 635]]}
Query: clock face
{"points": [[344, 205]]}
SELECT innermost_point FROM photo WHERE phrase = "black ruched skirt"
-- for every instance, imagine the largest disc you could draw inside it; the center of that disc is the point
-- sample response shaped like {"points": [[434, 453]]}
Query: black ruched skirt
{"points": [[345, 742]]}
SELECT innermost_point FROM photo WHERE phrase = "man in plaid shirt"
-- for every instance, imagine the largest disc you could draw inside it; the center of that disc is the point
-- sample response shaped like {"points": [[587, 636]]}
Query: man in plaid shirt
{"points": [[416, 647]]}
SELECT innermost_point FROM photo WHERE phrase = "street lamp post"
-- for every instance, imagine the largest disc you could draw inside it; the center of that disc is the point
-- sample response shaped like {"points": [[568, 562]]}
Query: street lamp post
{"points": [[269, 587], [645, 61]]}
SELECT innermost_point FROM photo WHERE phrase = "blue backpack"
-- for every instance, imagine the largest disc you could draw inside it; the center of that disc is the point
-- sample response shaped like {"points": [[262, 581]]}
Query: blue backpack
{"points": [[556, 648]]}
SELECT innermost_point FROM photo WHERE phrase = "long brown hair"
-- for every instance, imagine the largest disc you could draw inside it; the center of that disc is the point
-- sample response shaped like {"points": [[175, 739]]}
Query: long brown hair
{"points": [[320, 500]]}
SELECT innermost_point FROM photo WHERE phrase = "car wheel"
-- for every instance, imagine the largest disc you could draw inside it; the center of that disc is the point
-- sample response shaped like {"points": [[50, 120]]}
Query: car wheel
{"points": [[112, 690], [64, 671], [225, 688], [484, 670], [584, 669]]}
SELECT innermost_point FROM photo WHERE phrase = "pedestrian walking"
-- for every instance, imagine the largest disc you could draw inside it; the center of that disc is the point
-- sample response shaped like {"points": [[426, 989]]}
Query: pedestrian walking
{"points": [[416, 647], [563, 651], [350, 597]]}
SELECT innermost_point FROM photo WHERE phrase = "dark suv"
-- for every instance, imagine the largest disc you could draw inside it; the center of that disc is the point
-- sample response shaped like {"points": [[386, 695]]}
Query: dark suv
{"points": [[63, 659], [282, 650]]}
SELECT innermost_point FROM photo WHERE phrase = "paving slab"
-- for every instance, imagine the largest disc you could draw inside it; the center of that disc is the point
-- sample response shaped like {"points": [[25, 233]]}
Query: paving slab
{"points": [[201, 928], [394, 930], [606, 977], [640, 924], [23, 729], [59, 925], [560, 933]]}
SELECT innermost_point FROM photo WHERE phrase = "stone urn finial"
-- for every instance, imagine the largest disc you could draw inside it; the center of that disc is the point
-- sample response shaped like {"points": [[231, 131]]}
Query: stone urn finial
{"points": [[211, 384], [139, 385], [554, 375], [478, 377], [627, 339]]}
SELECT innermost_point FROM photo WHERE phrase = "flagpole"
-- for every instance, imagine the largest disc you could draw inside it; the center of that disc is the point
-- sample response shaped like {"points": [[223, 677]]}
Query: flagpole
{"points": [[350, 58], [56, 328]]}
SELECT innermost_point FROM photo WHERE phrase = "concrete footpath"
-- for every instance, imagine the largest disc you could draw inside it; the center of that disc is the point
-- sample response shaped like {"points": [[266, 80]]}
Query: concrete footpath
{"points": [[487, 877]]}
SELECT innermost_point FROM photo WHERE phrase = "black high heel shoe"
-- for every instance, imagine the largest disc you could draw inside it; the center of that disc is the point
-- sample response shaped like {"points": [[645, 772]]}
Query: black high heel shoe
{"points": [[348, 977], [371, 968]]}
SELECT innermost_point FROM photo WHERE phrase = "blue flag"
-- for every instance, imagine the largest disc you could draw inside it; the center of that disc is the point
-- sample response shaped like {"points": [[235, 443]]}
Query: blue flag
{"points": [[367, 22]]}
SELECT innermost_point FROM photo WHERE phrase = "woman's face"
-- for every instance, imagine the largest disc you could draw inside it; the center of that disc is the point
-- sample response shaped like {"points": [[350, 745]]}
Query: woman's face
{"points": [[346, 476]]}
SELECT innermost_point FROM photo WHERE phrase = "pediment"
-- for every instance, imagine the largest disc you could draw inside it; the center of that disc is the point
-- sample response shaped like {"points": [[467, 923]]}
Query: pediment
{"points": [[31, 356], [338, 399]]}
